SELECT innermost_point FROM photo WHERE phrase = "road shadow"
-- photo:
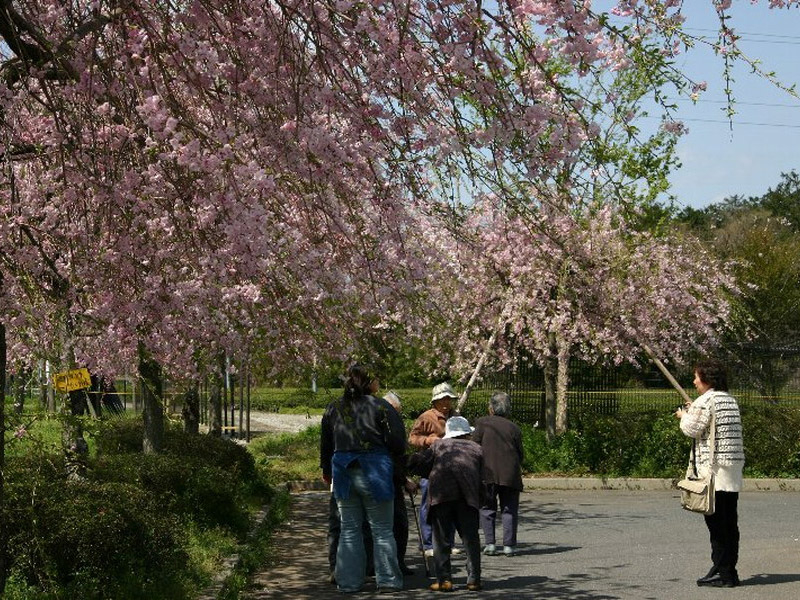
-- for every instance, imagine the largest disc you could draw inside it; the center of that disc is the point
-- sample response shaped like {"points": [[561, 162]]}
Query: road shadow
{"points": [[771, 579], [546, 515], [524, 587]]}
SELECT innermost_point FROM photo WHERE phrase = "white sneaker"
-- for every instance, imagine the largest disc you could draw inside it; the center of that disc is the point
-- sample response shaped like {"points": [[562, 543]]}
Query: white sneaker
{"points": [[429, 552], [490, 550], [509, 550]]}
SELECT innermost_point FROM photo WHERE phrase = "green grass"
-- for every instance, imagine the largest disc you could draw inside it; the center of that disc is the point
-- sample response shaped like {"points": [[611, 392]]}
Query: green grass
{"points": [[288, 456]]}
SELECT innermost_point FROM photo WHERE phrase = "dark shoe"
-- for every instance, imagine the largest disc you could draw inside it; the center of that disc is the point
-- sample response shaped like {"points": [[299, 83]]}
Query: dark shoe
{"points": [[716, 580], [475, 586], [406, 570], [711, 573], [443, 586]]}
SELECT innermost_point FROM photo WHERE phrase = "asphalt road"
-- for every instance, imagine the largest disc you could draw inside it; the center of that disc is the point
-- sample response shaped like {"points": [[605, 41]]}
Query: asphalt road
{"points": [[577, 545]]}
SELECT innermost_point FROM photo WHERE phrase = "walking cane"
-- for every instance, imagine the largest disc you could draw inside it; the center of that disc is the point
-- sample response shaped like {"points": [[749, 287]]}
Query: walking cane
{"points": [[419, 534]]}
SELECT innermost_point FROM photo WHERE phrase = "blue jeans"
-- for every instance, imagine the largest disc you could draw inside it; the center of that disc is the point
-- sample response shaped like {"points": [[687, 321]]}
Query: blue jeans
{"points": [[425, 528], [351, 561]]}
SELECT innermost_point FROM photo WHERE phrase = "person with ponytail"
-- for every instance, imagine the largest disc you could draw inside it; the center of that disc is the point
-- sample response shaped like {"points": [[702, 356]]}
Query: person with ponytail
{"points": [[361, 437]]}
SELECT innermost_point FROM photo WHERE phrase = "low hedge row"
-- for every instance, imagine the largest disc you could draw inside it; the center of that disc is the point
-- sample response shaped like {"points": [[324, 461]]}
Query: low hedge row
{"points": [[131, 529], [650, 444]]}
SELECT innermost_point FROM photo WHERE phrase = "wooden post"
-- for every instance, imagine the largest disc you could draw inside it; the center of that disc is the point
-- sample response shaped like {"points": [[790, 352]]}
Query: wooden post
{"points": [[667, 374], [240, 433], [248, 400]]}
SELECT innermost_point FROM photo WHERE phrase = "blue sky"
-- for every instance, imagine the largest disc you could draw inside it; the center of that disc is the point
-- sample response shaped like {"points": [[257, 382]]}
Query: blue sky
{"points": [[765, 140]]}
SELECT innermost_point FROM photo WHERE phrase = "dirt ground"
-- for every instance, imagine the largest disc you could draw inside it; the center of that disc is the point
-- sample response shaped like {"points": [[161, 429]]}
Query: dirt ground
{"points": [[266, 422], [270, 422]]}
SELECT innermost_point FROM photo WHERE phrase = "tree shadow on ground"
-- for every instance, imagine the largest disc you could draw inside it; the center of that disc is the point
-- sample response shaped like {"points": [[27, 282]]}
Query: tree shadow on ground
{"points": [[771, 579]]}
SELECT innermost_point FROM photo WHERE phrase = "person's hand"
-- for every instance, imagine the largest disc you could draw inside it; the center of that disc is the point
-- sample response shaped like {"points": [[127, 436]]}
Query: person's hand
{"points": [[326, 478], [681, 411], [411, 486]]}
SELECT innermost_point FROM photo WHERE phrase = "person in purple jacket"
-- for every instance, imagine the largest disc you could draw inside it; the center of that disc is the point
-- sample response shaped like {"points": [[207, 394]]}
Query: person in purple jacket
{"points": [[453, 467], [501, 441]]}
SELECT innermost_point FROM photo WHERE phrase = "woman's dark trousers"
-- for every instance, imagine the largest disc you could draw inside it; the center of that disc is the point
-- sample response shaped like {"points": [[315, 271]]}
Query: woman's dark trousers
{"points": [[723, 527]]}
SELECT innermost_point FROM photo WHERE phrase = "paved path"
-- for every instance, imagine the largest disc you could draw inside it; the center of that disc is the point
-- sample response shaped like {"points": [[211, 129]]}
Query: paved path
{"points": [[574, 544]]}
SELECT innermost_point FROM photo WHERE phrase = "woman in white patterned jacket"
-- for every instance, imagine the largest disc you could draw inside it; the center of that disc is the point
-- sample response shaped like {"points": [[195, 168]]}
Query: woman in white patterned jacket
{"points": [[711, 381]]}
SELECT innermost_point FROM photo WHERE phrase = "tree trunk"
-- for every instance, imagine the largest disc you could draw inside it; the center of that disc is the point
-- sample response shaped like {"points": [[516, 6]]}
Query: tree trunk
{"points": [[191, 409], [217, 390], [487, 347], [75, 446], [51, 390], [43, 387], [19, 380], [248, 401], [3, 534], [152, 407], [465, 394], [550, 386], [561, 391]]}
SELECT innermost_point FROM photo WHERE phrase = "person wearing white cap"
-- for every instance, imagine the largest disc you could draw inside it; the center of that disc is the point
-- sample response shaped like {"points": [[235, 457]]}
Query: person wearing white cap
{"points": [[453, 467], [428, 428]]}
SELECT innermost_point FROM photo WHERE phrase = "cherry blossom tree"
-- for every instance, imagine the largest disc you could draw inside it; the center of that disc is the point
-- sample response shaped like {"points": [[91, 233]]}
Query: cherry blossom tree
{"points": [[193, 178], [571, 283]]}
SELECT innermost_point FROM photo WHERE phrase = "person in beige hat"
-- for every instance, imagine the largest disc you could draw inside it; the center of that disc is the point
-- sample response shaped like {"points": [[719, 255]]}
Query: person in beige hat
{"points": [[427, 429]]}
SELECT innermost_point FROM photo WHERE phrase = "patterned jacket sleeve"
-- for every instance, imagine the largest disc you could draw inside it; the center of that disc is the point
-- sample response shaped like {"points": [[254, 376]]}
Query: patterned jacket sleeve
{"points": [[697, 418]]}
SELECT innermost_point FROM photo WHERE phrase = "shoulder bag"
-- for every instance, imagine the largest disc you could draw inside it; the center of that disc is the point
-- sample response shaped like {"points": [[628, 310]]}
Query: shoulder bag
{"points": [[697, 493]]}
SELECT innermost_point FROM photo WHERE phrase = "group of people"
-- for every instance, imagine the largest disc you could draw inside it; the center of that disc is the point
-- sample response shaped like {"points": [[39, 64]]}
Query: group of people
{"points": [[469, 473], [466, 474]]}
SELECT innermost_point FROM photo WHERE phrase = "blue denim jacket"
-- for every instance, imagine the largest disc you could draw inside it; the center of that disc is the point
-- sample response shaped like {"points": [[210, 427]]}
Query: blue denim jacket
{"points": [[377, 467]]}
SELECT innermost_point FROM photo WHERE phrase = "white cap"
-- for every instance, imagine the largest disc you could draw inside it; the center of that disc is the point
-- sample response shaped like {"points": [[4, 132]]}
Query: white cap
{"points": [[456, 427]]}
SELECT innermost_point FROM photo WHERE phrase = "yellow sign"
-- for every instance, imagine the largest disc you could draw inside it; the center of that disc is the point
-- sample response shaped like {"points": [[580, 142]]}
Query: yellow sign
{"points": [[69, 381]]}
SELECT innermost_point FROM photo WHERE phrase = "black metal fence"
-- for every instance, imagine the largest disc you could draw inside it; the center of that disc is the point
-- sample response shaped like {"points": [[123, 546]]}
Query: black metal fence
{"points": [[757, 377]]}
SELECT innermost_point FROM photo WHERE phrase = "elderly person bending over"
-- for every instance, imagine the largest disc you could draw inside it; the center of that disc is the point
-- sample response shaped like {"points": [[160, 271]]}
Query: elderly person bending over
{"points": [[501, 441], [453, 468]]}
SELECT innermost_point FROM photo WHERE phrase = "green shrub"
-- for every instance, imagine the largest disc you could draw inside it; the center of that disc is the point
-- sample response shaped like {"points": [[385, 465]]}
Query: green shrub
{"points": [[664, 450], [771, 443], [186, 485], [91, 540], [126, 436], [140, 527], [650, 444], [120, 435], [219, 452], [563, 456], [643, 445]]}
